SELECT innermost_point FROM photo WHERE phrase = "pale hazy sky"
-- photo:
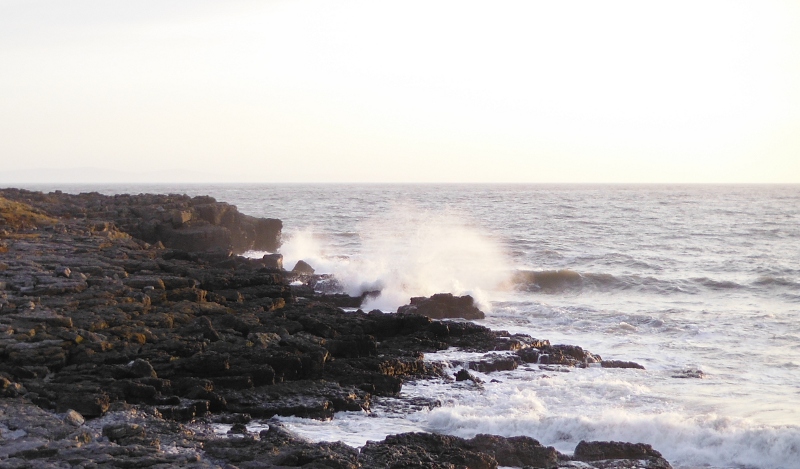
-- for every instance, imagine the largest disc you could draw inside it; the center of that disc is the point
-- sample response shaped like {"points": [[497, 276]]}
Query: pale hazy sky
{"points": [[384, 91]]}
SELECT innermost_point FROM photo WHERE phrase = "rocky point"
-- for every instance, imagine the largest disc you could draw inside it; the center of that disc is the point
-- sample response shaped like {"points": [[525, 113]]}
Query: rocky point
{"points": [[129, 327]]}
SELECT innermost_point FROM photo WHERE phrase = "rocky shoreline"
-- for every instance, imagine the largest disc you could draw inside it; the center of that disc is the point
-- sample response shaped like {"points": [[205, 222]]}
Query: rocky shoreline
{"points": [[129, 327]]}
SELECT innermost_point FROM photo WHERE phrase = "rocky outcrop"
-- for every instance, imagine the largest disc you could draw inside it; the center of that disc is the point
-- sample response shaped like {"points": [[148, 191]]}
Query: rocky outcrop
{"points": [[444, 306], [178, 221]]}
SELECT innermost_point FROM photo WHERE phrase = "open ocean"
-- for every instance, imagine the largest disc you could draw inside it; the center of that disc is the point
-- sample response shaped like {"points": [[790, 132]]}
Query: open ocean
{"points": [[700, 284]]}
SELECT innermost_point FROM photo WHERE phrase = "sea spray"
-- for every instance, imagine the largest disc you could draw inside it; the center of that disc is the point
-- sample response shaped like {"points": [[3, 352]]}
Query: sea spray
{"points": [[408, 252]]}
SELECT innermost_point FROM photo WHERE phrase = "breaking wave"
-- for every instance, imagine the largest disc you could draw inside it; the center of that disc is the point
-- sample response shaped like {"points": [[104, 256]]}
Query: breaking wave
{"points": [[407, 252], [567, 280]]}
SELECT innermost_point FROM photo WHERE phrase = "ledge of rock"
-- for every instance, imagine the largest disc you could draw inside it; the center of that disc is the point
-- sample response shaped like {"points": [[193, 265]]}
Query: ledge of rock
{"points": [[178, 221]]}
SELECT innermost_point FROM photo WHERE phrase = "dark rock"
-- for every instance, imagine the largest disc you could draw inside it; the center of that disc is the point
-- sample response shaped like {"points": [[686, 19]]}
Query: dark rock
{"points": [[423, 450], [444, 306], [9, 388], [88, 404], [620, 364], [302, 267], [142, 369], [605, 450], [273, 261], [690, 373], [495, 362], [516, 451], [238, 429], [123, 431], [464, 375]]}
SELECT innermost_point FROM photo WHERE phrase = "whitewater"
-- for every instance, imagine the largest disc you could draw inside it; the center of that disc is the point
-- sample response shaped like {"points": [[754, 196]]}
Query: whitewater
{"points": [[700, 284]]}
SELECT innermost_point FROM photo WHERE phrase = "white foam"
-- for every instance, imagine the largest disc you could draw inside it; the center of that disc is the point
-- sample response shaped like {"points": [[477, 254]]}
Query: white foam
{"points": [[560, 409], [408, 252]]}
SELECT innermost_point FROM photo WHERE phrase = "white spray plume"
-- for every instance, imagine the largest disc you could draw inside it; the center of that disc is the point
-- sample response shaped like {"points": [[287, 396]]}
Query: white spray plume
{"points": [[409, 252]]}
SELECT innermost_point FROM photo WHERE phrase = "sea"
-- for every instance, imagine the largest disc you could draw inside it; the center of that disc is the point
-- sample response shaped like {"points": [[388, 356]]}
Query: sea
{"points": [[700, 284]]}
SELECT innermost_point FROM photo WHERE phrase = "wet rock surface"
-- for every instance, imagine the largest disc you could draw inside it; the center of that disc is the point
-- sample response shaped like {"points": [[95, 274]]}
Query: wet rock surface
{"points": [[127, 327]]}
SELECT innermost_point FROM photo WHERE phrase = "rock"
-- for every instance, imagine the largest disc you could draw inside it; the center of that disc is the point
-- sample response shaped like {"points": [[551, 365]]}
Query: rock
{"points": [[47, 353], [273, 261], [9, 388], [444, 306], [464, 375], [424, 450], [690, 373], [142, 369], [238, 429], [620, 364], [605, 450], [516, 451], [303, 268], [88, 404], [63, 272], [123, 431], [495, 362], [73, 418]]}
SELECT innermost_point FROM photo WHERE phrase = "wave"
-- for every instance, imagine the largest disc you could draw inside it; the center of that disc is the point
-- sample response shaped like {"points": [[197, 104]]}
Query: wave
{"points": [[566, 280], [562, 410], [716, 284], [407, 252], [688, 441], [768, 280]]}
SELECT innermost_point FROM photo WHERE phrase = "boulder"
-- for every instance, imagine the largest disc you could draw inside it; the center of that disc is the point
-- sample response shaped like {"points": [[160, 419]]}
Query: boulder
{"points": [[605, 450], [495, 362], [424, 450], [303, 268], [73, 418], [444, 306], [518, 451]]}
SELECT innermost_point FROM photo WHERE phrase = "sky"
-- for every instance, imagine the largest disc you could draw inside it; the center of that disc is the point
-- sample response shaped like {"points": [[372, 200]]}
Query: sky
{"points": [[400, 91]]}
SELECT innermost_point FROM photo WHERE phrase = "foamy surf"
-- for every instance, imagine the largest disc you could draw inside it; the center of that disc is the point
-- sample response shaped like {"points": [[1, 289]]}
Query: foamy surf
{"points": [[408, 252], [709, 309], [561, 408]]}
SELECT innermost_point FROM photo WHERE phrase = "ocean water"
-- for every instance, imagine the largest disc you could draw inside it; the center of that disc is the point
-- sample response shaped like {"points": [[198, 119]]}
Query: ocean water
{"points": [[700, 284]]}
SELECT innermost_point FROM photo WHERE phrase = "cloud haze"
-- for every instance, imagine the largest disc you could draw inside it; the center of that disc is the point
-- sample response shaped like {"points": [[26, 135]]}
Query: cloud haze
{"points": [[317, 91]]}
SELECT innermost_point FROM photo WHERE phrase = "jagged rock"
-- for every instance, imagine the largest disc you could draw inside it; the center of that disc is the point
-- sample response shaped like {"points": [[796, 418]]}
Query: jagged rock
{"points": [[464, 375], [302, 267], [444, 306]]}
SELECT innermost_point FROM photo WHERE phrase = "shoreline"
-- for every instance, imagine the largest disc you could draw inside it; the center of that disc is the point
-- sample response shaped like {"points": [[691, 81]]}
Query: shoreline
{"points": [[131, 326]]}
